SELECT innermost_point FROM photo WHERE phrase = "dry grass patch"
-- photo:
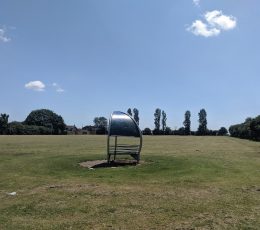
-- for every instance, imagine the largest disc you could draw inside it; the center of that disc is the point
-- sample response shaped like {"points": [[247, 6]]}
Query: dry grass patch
{"points": [[184, 183]]}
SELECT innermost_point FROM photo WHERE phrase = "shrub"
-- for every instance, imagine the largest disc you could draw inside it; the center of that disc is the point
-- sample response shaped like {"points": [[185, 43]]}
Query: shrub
{"points": [[17, 128], [147, 131]]}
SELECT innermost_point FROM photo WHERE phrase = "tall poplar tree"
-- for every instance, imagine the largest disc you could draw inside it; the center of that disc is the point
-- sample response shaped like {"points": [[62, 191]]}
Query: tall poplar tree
{"points": [[164, 118], [202, 129], [187, 122], [129, 111], [136, 115], [3, 123], [157, 119]]}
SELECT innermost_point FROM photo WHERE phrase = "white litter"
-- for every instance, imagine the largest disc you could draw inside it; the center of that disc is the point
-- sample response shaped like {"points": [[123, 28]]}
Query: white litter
{"points": [[91, 168], [11, 193]]}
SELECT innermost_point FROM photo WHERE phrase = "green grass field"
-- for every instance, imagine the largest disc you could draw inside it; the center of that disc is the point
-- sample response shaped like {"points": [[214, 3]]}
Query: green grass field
{"points": [[184, 183]]}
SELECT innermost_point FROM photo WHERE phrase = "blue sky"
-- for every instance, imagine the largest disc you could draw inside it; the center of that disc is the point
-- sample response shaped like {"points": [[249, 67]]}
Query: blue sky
{"points": [[84, 58]]}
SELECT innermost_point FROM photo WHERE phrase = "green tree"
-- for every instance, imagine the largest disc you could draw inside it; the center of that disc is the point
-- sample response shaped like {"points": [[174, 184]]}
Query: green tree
{"points": [[181, 131], [168, 131], [157, 119], [222, 131], [187, 122], [129, 111], [164, 118], [100, 122], [243, 130], [18, 128], [147, 131], [136, 115], [255, 128], [202, 129], [46, 118], [4, 123], [101, 125], [233, 130]]}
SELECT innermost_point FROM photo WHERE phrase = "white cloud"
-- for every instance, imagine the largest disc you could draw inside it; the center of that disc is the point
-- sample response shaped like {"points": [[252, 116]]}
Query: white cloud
{"points": [[196, 2], [57, 87], [60, 90], [3, 37], [201, 29], [35, 85], [216, 18], [215, 23]]}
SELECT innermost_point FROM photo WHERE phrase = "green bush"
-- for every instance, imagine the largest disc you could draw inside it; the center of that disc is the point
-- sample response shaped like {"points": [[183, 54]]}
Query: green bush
{"points": [[46, 118], [250, 129], [18, 128]]}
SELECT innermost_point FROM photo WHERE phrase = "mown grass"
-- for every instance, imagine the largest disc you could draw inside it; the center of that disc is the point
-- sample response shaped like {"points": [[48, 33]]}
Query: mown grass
{"points": [[184, 183]]}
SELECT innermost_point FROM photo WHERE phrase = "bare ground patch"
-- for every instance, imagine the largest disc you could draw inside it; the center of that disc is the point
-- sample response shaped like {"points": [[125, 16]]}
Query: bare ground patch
{"points": [[104, 164]]}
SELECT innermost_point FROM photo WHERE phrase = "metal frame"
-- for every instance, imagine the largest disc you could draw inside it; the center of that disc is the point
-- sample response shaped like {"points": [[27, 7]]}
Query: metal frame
{"points": [[123, 149]]}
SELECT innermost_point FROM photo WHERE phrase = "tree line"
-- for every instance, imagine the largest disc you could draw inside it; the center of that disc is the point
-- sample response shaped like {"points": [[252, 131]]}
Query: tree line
{"points": [[38, 122], [249, 129], [161, 128], [44, 121]]}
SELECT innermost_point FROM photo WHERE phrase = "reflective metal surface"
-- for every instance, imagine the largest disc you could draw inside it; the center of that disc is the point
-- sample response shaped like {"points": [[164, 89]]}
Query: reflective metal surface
{"points": [[122, 124]]}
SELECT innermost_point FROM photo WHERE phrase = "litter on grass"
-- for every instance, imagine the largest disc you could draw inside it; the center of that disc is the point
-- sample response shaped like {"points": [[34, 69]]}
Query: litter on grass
{"points": [[11, 193]]}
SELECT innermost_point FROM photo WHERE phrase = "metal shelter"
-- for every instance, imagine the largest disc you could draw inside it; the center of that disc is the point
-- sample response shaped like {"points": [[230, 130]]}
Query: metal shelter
{"points": [[123, 125]]}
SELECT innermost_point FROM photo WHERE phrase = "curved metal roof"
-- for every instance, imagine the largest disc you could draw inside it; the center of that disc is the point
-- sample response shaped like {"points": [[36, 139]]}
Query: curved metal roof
{"points": [[121, 124]]}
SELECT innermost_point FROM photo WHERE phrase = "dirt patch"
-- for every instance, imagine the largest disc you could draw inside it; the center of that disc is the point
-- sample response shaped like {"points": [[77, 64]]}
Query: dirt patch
{"points": [[253, 188], [55, 186], [103, 164]]}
